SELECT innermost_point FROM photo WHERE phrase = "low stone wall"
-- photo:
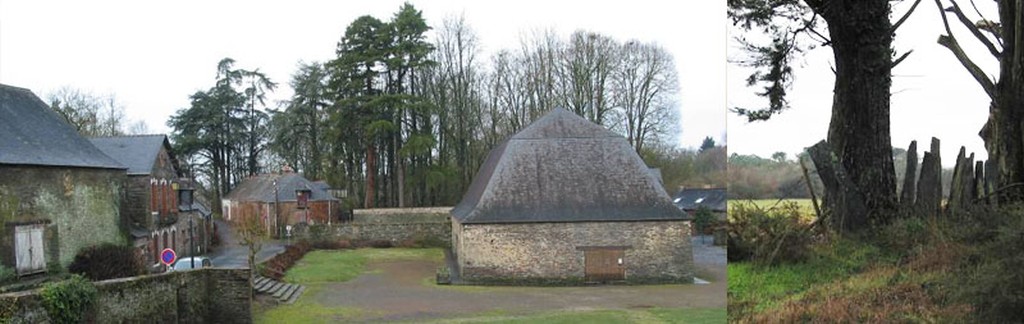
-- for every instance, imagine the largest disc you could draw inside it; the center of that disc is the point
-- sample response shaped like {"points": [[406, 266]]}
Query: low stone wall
{"points": [[401, 215], [395, 232], [206, 295]]}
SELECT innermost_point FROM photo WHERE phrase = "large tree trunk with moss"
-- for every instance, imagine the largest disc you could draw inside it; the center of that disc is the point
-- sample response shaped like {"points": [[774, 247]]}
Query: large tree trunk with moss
{"points": [[861, 38], [1003, 133]]}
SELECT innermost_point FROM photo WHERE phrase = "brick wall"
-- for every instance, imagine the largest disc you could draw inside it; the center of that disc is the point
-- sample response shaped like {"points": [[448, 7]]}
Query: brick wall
{"points": [[206, 295], [550, 252]]}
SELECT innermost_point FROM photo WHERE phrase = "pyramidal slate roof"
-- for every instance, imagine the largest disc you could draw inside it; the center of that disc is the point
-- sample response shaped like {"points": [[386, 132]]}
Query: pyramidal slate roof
{"points": [[563, 168], [261, 188], [137, 152], [33, 134]]}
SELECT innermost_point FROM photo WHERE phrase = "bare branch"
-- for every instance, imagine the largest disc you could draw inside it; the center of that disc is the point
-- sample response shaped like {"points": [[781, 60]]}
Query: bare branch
{"points": [[904, 18], [901, 58], [979, 75], [994, 31], [973, 28]]}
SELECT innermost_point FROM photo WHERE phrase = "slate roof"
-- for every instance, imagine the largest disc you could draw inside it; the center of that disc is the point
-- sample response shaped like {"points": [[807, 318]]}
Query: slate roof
{"points": [[691, 199], [137, 152], [31, 133], [261, 188], [563, 168]]}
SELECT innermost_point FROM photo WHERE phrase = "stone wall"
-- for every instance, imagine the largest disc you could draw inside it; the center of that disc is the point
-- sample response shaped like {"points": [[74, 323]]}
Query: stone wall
{"points": [[394, 232], [206, 295], [80, 207], [402, 215], [543, 253]]}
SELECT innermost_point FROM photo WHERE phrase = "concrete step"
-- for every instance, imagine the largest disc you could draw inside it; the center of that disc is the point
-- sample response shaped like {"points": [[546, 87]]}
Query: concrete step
{"points": [[262, 287], [259, 280], [286, 290], [295, 295], [288, 294], [277, 287], [270, 288]]}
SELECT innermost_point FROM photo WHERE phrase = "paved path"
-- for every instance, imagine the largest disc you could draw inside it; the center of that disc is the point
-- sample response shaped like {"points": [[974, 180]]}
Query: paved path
{"points": [[230, 254]]}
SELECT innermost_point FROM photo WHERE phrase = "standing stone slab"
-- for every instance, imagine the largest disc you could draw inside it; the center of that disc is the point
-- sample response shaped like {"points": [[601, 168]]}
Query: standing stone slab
{"points": [[929, 187], [909, 193], [843, 201]]}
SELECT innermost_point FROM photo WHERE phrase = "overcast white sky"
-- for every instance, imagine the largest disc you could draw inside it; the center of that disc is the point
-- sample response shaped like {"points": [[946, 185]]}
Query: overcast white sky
{"points": [[933, 95], [152, 55]]}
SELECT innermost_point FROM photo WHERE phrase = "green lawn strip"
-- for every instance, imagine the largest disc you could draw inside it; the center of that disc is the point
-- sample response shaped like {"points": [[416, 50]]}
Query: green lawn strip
{"points": [[344, 265], [766, 287], [319, 268], [307, 310], [654, 315]]}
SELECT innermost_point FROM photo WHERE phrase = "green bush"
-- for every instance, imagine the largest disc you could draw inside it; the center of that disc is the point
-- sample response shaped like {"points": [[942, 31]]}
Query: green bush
{"points": [[7, 274], [69, 301], [107, 261], [991, 279], [768, 236]]}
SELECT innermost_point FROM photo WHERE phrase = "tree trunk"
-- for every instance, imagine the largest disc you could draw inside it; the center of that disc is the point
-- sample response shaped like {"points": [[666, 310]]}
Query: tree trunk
{"points": [[371, 173], [1003, 133], [859, 130]]}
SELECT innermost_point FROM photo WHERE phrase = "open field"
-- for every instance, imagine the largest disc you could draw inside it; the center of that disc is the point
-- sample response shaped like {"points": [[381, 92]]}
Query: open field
{"points": [[378, 285]]}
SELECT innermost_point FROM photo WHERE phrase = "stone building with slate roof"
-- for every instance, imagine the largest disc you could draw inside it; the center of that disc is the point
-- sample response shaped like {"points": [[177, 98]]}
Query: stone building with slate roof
{"points": [[691, 199], [155, 217], [58, 192], [567, 201], [274, 198]]}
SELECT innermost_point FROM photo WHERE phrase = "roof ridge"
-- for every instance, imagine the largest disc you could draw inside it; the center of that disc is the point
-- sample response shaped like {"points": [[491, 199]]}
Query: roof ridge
{"points": [[130, 135]]}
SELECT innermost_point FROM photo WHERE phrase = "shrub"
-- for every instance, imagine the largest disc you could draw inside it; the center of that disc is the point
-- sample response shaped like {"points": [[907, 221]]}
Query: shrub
{"points": [[991, 279], [280, 263], [768, 236], [107, 261], [68, 301], [7, 274]]}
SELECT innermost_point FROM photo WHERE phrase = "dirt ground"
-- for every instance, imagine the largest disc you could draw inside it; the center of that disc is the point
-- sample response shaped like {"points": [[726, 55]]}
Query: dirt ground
{"points": [[404, 290]]}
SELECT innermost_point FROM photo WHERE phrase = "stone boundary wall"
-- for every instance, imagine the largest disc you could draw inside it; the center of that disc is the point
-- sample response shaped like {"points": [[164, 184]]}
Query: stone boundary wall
{"points": [[210, 295], [402, 215], [393, 232]]}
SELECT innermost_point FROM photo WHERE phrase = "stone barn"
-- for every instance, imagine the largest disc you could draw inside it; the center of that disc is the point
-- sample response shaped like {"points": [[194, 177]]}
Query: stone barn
{"points": [[277, 199], [565, 201], [58, 192]]}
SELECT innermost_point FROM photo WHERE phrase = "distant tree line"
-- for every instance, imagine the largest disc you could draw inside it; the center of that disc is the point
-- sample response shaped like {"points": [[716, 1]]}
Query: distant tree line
{"points": [[398, 119]]}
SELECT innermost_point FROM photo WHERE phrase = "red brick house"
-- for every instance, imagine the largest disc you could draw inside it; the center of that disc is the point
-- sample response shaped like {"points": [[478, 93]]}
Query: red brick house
{"points": [[151, 208], [280, 200]]}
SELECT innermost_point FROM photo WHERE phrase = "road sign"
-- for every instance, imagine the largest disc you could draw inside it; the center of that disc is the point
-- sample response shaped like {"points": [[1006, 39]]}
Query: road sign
{"points": [[167, 256]]}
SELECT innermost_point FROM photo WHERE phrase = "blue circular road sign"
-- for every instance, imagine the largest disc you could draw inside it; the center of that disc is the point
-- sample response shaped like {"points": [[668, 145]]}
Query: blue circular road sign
{"points": [[168, 256]]}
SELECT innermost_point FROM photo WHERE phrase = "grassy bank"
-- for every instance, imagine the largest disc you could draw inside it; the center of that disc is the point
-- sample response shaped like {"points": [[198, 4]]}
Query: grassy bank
{"points": [[955, 268]]}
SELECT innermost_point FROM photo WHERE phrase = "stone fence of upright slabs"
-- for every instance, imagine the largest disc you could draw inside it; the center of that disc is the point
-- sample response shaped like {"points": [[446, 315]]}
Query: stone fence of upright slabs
{"points": [[211, 295]]}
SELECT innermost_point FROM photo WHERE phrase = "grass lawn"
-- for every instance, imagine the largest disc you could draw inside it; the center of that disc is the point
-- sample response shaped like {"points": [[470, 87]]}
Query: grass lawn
{"points": [[321, 267]]}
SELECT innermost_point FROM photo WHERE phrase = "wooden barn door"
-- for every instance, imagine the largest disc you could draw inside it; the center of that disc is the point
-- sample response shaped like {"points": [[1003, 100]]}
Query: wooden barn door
{"points": [[604, 264], [28, 247]]}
